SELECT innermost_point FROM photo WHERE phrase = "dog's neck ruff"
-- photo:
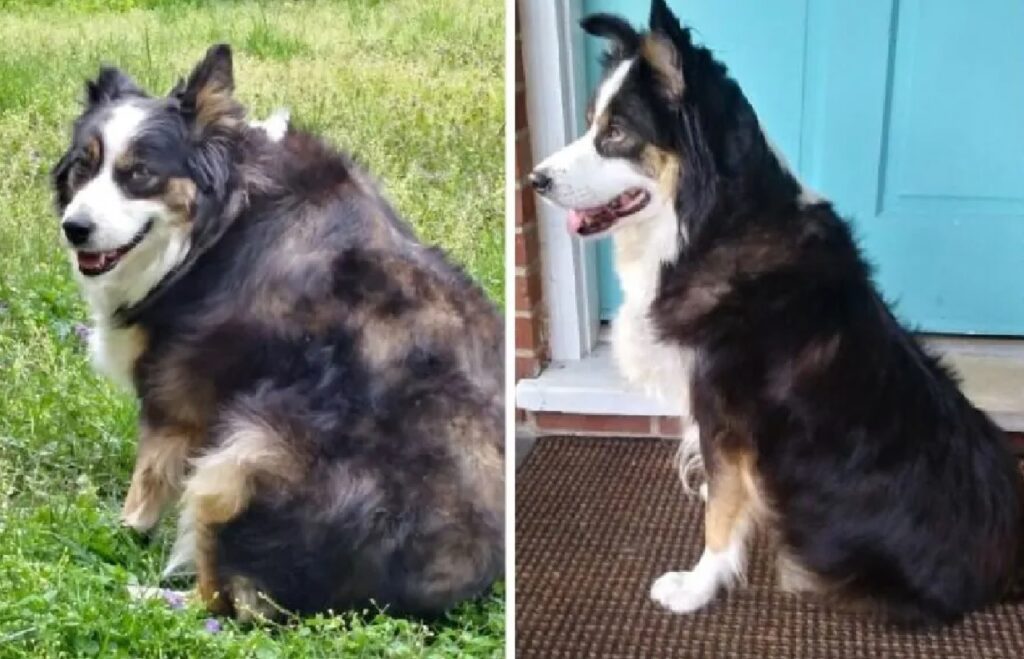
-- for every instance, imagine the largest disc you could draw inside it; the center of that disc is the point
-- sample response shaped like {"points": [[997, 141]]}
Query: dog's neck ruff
{"points": [[642, 248], [129, 314]]}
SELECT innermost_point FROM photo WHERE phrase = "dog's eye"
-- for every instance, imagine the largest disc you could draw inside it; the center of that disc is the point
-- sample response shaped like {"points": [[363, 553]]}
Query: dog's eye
{"points": [[139, 173]]}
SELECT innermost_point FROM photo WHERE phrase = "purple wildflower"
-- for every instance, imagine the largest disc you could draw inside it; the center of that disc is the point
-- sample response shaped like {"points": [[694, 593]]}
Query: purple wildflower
{"points": [[82, 331], [173, 599], [212, 625]]}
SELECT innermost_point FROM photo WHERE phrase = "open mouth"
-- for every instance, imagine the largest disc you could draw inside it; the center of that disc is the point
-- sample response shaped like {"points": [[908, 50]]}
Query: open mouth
{"points": [[590, 221], [92, 264]]}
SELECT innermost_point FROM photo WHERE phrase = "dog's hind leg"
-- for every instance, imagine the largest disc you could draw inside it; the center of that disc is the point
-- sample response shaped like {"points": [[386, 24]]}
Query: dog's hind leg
{"points": [[156, 480], [728, 521], [250, 452]]}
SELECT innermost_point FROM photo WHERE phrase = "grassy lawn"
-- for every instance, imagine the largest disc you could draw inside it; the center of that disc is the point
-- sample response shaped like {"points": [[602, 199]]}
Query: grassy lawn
{"points": [[414, 89]]}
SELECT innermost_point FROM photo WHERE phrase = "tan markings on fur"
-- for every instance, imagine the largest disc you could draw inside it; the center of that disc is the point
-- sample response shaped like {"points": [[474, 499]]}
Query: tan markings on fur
{"points": [[386, 340], [157, 478], [186, 399], [481, 460], [222, 482], [125, 160], [93, 152], [663, 167], [792, 576], [221, 487], [729, 503], [385, 343], [214, 104], [207, 584], [180, 196], [663, 57], [249, 602], [760, 507]]}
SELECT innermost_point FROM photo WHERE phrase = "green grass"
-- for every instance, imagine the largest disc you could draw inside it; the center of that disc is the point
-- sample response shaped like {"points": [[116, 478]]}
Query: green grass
{"points": [[413, 88]]}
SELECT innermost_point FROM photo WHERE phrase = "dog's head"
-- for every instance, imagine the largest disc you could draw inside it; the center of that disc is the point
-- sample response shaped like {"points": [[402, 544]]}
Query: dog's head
{"points": [[665, 125], [145, 176]]}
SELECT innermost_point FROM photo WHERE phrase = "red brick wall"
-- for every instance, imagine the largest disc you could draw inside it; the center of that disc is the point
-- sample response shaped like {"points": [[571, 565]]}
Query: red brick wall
{"points": [[530, 323]]}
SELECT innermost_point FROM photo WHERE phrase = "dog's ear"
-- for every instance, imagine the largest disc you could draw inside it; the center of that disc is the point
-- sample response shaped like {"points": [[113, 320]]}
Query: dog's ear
{"points": [[206, 97], [662, 19], [665, 48], [623, 37], [666, 61], [207, 104], [110, 84]]}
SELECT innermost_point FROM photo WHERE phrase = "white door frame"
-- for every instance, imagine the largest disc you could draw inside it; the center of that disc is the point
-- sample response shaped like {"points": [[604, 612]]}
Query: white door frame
{"points": [[553, 62]]}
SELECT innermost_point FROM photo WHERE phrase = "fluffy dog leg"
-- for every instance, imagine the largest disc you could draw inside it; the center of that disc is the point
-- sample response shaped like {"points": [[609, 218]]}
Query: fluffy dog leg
{"points": [[723, 563], [156, 479], [220, 488]]}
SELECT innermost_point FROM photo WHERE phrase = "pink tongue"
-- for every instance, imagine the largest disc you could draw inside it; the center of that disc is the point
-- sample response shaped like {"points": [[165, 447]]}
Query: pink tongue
{"points": [[576, 221], [94, 260]]}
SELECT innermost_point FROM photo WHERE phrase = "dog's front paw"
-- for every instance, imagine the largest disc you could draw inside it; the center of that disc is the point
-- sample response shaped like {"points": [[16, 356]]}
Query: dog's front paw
{"points": [[139, 517], [682, 592]]}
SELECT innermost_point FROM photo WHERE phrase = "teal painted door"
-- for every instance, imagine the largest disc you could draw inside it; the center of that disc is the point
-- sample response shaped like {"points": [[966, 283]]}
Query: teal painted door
{"points": [[909, 115]]}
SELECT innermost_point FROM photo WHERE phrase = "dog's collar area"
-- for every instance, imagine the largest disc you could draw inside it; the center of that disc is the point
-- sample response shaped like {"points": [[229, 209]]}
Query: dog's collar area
{"points": [[93, 264], [128, 315], [591, 221]]}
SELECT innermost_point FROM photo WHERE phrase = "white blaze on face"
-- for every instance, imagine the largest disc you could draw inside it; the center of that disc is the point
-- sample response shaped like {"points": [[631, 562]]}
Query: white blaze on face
{"points": [[582, 178], [119, 220]]}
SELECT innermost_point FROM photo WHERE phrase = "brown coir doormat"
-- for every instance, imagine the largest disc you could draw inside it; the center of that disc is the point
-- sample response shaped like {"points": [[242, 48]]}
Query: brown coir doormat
{"points": [[598, 519]]}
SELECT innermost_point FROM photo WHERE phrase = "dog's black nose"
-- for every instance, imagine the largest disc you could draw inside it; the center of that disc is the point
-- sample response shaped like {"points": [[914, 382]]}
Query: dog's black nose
{"points": [[78, 228], [540, 181]]}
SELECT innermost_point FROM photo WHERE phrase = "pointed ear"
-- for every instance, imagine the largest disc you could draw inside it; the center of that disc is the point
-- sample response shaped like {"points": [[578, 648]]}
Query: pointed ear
{"points": [[667, 47], [624, 38], [178, 89], [206, 102], [206, 97], [661, 17], [667, 63], [109, 85]]}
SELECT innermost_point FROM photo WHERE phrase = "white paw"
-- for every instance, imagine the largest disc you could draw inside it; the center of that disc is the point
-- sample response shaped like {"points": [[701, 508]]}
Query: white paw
{"points": [[682, 592]]}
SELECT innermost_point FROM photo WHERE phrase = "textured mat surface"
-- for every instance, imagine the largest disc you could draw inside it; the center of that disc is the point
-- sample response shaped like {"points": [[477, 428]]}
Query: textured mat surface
{"points": [[598, 519]]}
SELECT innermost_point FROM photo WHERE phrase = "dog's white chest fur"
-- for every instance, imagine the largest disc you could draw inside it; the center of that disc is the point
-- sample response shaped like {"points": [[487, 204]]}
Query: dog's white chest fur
{"points": [[659, 369], [114, 351]]}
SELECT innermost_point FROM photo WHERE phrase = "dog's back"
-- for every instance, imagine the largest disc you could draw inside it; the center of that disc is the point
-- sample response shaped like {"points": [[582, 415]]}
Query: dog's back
{"points": [[349, 379]]}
